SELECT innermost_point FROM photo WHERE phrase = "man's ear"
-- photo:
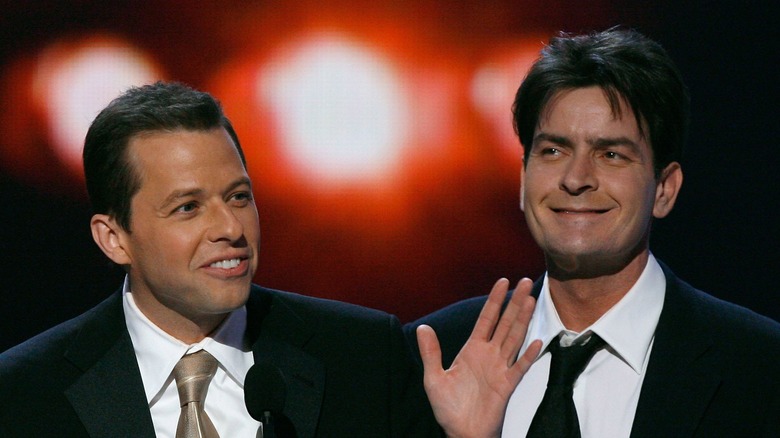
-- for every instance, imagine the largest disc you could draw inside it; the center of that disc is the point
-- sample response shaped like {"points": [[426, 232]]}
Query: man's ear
{"points": [[667, 189], [110, 238]]}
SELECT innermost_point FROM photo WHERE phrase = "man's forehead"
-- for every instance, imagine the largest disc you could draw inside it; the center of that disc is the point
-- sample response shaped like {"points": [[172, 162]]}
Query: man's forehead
{"points": [[180, 156], [619, 106], [153, 143]]}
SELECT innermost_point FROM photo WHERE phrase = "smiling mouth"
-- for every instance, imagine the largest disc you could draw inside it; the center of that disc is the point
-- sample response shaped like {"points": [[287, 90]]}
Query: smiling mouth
{"points": [[566, 211], [226, 264]]}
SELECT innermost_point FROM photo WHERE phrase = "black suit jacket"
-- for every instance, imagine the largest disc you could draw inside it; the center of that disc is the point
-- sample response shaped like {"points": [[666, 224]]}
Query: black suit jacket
{"points": [[714, 369], [347, 369]]}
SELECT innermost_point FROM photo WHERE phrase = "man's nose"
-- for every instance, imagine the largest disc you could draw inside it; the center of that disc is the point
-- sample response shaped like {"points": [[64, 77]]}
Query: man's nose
{"points": [[225, 225], [579, 175]]}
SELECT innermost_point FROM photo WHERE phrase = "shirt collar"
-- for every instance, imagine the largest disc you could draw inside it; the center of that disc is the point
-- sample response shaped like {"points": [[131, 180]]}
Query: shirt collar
{"points": [[157, 352], [628, 327]]}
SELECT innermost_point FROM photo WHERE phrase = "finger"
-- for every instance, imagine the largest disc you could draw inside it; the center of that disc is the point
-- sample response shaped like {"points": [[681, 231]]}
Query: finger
{"points": [[522, 308], [529, 356], [507, 323], [519, 330], [524, 287], [486, 322], [430, 352], [518, 370]]}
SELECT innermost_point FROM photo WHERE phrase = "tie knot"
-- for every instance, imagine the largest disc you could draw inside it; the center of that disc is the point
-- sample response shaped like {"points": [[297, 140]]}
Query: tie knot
{"points": [[568, 362], [193, 374]]}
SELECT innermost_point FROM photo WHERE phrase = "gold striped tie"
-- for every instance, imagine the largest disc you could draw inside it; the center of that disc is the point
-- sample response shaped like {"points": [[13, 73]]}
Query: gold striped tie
{"points": [[193, 374]]}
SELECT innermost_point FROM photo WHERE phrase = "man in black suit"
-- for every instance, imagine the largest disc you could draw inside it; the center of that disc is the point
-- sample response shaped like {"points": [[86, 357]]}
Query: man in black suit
{"points": [[602, 119], [173, 206]]}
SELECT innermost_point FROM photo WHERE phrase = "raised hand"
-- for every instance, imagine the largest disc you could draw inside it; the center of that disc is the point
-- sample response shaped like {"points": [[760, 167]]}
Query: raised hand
{"points": [[470, 398]]}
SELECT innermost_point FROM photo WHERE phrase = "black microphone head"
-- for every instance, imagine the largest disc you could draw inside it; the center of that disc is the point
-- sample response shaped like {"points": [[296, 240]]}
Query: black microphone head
{"points": [[265, 390]]}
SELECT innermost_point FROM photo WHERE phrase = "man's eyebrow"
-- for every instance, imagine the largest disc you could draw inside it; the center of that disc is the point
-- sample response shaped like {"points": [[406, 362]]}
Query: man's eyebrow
{"points": [[179, 194], [187, 193], [552, 138], [240, 181], [614, 141], [601, 142]]}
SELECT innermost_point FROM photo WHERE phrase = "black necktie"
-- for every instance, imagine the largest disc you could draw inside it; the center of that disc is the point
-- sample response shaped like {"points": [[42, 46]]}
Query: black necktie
{"points": [[556, 415]]}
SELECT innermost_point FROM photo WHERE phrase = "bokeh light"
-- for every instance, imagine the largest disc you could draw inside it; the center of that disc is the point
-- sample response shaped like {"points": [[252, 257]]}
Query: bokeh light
{"points": [[495, 83], [74, 80], [57, 92], [340, 108]]}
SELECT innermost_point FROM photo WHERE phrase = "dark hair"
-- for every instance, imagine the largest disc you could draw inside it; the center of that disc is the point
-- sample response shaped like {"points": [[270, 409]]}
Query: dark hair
{"points": [[111, 179], [627, 66]]}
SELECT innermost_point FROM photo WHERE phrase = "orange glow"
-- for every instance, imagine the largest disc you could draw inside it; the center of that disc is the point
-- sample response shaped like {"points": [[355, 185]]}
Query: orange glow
{"points": [[434, 207], [398, 114], [65, 86], [495, 83], [74, 80], [340, 108], [377, 136]]}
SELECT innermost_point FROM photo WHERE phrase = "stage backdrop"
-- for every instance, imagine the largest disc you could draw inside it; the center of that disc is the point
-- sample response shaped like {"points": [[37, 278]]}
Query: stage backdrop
{"points": [[379, 140]]}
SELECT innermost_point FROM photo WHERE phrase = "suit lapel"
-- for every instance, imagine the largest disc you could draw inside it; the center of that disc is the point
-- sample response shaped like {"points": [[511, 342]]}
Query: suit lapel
{"points": [[280, 335], [682, 374], [109, 397]]}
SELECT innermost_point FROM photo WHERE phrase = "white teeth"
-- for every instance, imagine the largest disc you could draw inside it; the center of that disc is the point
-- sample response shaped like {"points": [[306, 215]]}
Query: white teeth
{"points": [[226, 264]]}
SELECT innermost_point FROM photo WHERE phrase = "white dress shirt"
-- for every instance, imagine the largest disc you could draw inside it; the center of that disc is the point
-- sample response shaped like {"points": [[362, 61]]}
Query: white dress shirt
{"points": [[607, 392], [158, 352]]}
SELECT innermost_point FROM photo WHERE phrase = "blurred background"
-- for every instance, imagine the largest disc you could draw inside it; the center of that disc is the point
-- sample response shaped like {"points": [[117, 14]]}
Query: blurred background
{"points": [[378, 137]]}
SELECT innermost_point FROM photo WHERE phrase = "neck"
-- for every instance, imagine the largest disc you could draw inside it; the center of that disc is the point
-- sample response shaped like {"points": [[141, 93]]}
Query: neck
{"points": [[581, 300], [186, 328]]}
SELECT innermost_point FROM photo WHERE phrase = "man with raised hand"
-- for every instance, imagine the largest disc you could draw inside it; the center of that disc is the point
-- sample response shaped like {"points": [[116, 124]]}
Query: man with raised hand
{"points": [[627, 348]]}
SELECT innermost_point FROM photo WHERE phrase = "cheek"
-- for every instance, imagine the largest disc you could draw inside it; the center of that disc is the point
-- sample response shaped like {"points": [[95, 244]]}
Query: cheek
{"points": [[533, 193], [174, 245], [638, 205], [522, 198], [650, 196], [250, 221]]}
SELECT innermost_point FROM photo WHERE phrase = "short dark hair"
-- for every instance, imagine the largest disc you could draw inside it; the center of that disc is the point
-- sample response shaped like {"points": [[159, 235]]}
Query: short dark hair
{"points": [[163, 106], [627, 66]]}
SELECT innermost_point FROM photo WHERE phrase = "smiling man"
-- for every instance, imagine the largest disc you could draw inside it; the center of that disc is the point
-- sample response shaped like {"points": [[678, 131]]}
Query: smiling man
{"points": [[627, 348], [169, 354], [589, 193], [192, 250]]}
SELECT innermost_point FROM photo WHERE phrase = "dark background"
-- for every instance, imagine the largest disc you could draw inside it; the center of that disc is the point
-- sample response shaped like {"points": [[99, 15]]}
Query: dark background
{"points": [[721, 237]]}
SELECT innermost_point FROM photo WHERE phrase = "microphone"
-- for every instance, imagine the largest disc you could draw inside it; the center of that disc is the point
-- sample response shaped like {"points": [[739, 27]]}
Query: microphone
{"points": [[264, 394]]}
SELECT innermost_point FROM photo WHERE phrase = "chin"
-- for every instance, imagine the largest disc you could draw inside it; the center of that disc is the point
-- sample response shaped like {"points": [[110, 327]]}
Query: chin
{"points": [[232, 298]]}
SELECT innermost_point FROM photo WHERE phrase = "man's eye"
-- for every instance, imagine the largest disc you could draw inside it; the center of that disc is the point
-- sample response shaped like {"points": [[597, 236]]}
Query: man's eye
{"points": [[551, 151], [187, 208], [242, 196], [614, 156]]}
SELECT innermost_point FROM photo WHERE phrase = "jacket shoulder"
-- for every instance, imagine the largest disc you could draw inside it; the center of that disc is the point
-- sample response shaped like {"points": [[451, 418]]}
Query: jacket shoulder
{"points": [[39, 350], [729, 322], [313, 308]]}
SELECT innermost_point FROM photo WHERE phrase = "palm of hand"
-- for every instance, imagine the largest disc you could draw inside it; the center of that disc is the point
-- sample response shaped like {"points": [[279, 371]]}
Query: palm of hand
{"points": [[469, 399]]}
